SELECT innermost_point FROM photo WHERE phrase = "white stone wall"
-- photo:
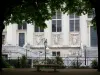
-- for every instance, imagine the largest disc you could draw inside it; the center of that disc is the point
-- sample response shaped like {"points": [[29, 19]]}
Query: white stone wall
{"points": [[30, 31], [48, 32], [11, 34], [84, 30], [65, 29], [59, 39]]}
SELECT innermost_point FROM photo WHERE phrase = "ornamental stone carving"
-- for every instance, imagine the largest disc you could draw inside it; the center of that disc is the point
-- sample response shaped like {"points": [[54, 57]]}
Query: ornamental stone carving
{"points": [[56, 39], [74, 39], [38, 39]]}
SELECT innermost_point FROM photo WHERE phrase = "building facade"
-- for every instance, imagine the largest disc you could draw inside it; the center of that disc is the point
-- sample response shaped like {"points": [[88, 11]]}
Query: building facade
{"points": [[67, 36]]}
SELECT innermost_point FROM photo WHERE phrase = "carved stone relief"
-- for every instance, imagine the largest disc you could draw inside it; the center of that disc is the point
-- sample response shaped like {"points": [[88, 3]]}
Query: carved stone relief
{"points": [[56, 39], [74, 39], [39, 39]]}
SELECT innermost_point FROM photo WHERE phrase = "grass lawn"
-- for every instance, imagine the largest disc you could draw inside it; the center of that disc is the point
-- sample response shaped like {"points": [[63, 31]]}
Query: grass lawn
{"points": [[61, 72]]}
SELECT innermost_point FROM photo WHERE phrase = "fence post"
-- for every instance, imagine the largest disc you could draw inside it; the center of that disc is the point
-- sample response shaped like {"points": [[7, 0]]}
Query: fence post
{"points": [[85, 58], [77, 62], [85, 55], [18, 63], [32, 63], [67, 62]]}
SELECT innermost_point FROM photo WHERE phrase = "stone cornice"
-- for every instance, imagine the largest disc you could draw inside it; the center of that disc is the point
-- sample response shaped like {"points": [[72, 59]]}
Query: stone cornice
{"points": [[56, 47]]}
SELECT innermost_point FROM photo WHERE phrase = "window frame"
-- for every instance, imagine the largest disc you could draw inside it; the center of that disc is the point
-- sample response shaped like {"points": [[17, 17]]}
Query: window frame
{"points": [[56, 53], [39, 29], [56, 19], [92, 38], [22, 26], [53, 53], [75, 18], [19, 42], [3, 39]]}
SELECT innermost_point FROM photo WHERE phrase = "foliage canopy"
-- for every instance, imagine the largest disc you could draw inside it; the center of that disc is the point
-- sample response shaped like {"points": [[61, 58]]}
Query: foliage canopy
{"points": [[38, 11]]}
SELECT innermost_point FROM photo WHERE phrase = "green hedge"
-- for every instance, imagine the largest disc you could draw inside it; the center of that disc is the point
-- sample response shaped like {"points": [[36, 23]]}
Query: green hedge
{"points": [[94, 64], [6, 64]]}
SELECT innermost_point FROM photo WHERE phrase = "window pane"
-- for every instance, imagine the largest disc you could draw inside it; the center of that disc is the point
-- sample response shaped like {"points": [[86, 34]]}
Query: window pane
{"points": [[24, 25], [71, 16], [76, 16], [58, 15], [19, 26], [54, 17], [58, 53], [41, 30], [3, 39], [93, 42], [36, 28], [71, 25], [77, 27], [93, 37], [53, 25], [21, 39], [53, 53], [58, 25]]}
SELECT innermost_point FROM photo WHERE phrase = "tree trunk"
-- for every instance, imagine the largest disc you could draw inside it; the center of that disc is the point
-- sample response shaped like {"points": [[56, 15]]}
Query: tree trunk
{"points": [[97, 12], [1, 30]]}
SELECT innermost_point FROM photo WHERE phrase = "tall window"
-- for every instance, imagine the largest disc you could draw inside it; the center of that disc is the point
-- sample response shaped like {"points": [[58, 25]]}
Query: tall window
{"points": [[57, 22], [93, 35], [74, 23], [21, 39], [3, 39], [38, 29], [23, 26], [54, 53]]}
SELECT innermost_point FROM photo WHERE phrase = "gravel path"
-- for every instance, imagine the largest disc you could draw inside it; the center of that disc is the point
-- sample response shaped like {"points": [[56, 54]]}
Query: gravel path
{"points": [[50, 72]]}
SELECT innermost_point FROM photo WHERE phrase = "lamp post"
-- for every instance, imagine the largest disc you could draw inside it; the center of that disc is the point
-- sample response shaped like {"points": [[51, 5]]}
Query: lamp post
{"points": [[85, 53], [26, 53], [39, 54], [45, 45], [9, 56]]}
